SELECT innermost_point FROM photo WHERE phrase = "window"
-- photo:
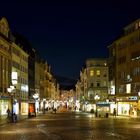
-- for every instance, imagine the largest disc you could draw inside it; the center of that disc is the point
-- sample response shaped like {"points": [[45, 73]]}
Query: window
{"points": [[105, 83], [91, 84], [98, 73], [122, 60], [98, 83], [91, 73]]}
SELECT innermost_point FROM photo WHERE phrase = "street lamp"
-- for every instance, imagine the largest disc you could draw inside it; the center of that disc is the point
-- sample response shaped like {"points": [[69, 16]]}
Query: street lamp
{"points": [[11, 90], [97, 97], [44, 102]]}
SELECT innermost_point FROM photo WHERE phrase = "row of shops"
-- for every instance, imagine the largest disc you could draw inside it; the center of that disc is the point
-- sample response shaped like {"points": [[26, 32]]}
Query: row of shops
{"points": [[20, 108], [6, 103], [129, 107], [28, 107]]}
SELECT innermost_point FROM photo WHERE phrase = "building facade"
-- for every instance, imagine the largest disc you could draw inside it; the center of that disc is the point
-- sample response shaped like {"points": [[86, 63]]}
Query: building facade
{"points": [[19, 78], [97, 79], [127, 70], [5, 66]]}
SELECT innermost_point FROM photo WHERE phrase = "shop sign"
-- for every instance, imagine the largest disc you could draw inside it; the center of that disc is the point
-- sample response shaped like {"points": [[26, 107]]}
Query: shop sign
{"points": [[102, 104], [133, 98]]}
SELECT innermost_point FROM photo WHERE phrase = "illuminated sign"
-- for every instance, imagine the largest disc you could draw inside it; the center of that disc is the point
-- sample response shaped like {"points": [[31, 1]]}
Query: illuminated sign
{"points": [[133, 98], [24, 87], [14, 77], [112, 90], [103, 104]]}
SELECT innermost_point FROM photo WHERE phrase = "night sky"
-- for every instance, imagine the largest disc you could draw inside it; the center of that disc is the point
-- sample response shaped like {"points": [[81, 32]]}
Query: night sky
{"points": [[67, 33]]}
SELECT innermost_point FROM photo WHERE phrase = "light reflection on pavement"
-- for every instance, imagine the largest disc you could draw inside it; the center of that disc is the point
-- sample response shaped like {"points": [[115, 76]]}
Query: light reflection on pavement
{"points": [[71, 126]]}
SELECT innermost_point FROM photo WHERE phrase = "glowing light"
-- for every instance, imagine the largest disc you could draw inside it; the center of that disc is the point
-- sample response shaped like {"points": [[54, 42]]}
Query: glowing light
{"points": [[35, 96], [97, 97]]}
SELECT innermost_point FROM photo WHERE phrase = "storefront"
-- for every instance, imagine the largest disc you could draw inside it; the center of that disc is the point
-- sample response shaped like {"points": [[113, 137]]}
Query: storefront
{"points": [[70, 103], [15, 107], [102, 108], [127, 106], [32, 110], [43, 104], [77, 105], [37, 106], [4, 105], [88, 107], [112, 106], [24, 108]]}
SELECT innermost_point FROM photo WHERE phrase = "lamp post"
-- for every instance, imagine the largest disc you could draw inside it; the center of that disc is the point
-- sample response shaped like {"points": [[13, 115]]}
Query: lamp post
{"points": [[44, 102], [11, 90], [97, 97]]}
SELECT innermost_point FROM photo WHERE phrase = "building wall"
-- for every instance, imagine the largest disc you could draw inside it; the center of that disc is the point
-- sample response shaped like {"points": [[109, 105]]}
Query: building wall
{"points": [[5, 56], [5, 66], [19, 79], [112, 69], [20, 65], [128, 61], [42, 78], [97, 78], [127, 70]]}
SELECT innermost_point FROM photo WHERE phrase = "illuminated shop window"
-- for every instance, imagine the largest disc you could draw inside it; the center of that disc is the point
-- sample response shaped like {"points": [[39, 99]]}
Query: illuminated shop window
{"points": [[128, 88]]}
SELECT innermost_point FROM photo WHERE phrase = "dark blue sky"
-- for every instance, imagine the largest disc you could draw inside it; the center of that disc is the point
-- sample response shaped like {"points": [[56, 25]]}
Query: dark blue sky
{"points": [[67, 33]]}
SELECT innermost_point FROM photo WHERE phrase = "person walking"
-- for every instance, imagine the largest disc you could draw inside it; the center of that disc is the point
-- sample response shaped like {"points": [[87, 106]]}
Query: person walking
{"points": [[114, 112], [8, 113], [54, 110], [9, 118], [14, 118]]}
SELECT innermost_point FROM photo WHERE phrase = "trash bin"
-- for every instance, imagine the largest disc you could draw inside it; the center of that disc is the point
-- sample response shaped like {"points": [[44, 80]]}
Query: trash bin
{"points": [[106, 115]]}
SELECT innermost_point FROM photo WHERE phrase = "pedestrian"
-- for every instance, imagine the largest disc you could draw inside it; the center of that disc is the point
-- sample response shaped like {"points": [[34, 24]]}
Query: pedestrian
{"points": [[14, 118], [114, 112], [54, 110], [37, 110], [75, 108], [8, 113]]}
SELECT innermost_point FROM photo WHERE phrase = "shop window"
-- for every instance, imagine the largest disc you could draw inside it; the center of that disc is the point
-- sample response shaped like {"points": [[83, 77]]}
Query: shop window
{"points": [[128, 88]]}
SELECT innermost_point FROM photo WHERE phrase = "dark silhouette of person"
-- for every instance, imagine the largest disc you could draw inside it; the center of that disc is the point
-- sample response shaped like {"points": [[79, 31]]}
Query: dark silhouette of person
{"points": [[114, 112], [8, 113]]}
